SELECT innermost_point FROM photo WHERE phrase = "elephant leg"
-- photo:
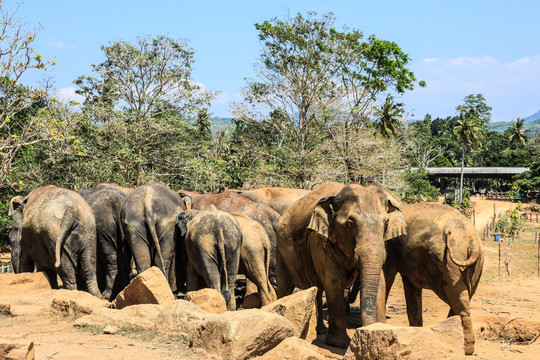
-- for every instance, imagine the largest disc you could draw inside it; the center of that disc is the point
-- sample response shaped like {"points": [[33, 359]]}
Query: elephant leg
{"points": [[66, 271], [88, 271], [413, 299], [285, 285], [106, 266], [380, 307], [26, 264], [167, 254], [321, 328], [255, 272], [193, 278], [228, 287], [458, 298], [51, 276], [389, 277]]}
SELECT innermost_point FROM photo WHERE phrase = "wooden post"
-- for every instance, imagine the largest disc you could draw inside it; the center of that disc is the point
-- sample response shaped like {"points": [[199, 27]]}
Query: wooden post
{"points": [[488, 230], [494, 213], [499, 256], [474, 217], [536, 236]]}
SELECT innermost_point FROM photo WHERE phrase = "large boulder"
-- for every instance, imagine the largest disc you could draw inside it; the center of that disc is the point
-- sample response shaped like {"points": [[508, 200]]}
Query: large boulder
{"points": [[209, 300], [149, 287], [383, 341], [17, 351], [293, 348], [141, 316], [301, 310], [241, 334], [15, 285], [75, 303], [231, 335]]}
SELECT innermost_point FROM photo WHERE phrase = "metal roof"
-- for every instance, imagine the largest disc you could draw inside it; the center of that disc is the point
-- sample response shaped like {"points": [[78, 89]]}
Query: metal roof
{"points": [[479, 172]]}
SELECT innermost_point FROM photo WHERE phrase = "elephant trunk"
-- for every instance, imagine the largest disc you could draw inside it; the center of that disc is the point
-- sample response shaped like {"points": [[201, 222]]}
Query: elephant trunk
{"points": [[370, 257]]}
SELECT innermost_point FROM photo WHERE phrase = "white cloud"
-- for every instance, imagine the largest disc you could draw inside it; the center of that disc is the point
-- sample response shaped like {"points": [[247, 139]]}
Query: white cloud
{"points": [[67, 94], [59, 44], [511, 88]]}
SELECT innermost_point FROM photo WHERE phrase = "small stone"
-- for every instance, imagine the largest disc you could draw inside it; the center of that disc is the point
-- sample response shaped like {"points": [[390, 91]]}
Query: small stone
{"points": [[110, 329]]}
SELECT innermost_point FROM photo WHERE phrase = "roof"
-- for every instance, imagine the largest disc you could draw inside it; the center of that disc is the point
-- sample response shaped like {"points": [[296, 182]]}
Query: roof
{"points": [[476, 172]]}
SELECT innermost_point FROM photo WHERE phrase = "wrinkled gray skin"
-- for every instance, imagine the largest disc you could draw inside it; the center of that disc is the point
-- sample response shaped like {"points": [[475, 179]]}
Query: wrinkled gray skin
{"points": [[55, 230], [328, 237], [148, 218], [278, 198], [112, 256], [232, 202], [212, 240], [441, 252]]}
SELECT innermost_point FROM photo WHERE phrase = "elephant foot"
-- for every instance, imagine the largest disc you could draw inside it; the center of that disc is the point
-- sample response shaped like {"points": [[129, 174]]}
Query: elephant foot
{"points": [[321, 329], [469, 347], [338, 340]]}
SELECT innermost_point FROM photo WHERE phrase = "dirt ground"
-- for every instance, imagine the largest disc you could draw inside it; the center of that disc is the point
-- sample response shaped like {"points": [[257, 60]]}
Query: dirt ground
{"points": [[514, 297]]}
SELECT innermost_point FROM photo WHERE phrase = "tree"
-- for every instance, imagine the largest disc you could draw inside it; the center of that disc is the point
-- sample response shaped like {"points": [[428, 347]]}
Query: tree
{"points": [[19, 127], [517, 135], [144, 94], [473, 115], [314, 81], [390, 116]]}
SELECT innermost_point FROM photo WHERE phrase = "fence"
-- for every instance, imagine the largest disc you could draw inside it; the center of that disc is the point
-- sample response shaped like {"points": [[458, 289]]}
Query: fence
{"points": [[5, 269], [531, 217]]}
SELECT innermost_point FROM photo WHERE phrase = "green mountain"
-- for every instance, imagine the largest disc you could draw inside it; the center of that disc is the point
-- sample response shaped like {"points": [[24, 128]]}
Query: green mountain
{"points": [[533, 127], [220, 122]]}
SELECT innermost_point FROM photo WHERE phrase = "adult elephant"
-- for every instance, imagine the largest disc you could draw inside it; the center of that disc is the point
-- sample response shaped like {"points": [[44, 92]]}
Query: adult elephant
{"points": [[112, 256], [148, 218], [330, 235], [54, 229], [441, 252], [212, 241], [278, 198], [232, 202]]}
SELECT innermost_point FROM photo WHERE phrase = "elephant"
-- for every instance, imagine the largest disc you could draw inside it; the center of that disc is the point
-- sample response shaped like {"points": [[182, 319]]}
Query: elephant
{"points": [[212, 241], [148, 217], [255, 257], [328, 237], [441, 252], [278, 198], [113, 259], [54, 229], [232, 202]]}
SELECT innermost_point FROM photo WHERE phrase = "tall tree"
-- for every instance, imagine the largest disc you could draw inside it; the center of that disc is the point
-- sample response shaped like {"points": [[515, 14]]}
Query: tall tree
{"points": [[468, 131], [517, 135], [144, 93], [19, 127], [390, 116], [311, 77]]}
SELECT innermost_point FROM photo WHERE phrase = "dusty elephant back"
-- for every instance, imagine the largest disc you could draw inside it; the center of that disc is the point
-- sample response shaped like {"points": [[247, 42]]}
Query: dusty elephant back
{"points": [[278, 198]]}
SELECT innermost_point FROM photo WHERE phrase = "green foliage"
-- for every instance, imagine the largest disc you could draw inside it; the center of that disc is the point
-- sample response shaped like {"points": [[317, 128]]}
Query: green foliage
{"points": [[418, 187], [510, 223]]}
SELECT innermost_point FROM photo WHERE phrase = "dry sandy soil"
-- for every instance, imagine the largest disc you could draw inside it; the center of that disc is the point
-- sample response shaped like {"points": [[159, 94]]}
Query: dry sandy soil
{"points": [[515, 297]]}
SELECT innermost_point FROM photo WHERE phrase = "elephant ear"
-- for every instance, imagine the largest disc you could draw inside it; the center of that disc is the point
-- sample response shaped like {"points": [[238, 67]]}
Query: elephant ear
{"points": [[183, 219], [322, 217], [395, 222], [186, 198], [16, 207]]}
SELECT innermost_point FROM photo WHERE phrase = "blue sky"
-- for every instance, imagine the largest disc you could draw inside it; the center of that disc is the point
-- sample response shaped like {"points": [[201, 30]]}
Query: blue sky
{"points": [[458, 47]]}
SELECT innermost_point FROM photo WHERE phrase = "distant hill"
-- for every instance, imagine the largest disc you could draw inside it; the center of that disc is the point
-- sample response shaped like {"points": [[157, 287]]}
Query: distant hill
{"points": [[501, 126], [533, 117], [220, 122]]}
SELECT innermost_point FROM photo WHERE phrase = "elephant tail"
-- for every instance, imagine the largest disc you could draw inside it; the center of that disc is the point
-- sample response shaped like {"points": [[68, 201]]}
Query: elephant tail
{"points": [[67, 224], [474, 253], [221, 249], [151, 223]]}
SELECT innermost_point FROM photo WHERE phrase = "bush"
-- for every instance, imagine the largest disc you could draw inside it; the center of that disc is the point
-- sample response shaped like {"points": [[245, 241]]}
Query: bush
{"points": [[418, 188]]}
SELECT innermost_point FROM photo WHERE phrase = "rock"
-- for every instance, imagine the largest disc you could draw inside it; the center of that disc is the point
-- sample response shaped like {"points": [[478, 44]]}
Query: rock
{"points": [[209, 300], [507, 329], [293, 348], [231, 335], [110, 329], [301, 310], [241, 334], [17, 351], [252, 301], [15, 285], [141, 316], [75, 303], [149, 287], [383, 341]]}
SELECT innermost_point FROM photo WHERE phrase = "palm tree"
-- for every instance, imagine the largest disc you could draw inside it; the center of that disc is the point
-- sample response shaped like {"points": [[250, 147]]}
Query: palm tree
{"points": [[467, 131], [517, 133], [390, 116]]}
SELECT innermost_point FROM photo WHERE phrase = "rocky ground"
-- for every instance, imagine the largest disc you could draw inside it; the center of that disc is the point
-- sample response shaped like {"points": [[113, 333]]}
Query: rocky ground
{"points": [[507, 308]]}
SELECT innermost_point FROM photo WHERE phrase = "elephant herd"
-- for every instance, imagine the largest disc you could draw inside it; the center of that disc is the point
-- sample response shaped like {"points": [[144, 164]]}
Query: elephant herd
{"points": [[333, 237]]}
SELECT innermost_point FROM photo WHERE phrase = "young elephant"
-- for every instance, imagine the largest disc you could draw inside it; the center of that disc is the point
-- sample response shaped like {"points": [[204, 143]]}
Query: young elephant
{"points": [[441, 252], [212, 241], [54, 229], [255, 257]]}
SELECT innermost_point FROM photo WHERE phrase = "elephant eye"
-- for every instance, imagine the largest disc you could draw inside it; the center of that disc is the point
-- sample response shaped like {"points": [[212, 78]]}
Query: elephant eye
{"points": [[349, 222]]}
